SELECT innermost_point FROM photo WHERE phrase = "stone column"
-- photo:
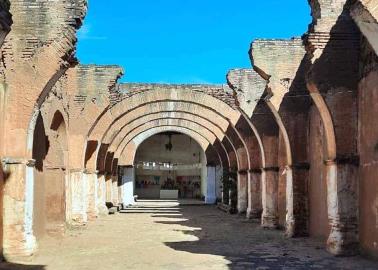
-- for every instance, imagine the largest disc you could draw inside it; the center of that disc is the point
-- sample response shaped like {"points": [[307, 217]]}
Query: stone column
{"points": [[78, 188], [342, 199], [242, 191], [269, 198], [115, 190], [91, 195], [101, 196], [254, 209], [211, 196], [128, 179], [18, 236]]}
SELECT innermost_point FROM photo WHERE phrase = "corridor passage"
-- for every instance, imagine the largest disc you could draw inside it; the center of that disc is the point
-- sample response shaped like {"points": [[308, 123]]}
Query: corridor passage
{"points": [[167, 235]]}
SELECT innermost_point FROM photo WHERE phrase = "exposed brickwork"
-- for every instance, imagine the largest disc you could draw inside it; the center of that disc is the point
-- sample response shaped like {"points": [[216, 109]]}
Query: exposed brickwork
{"points": [[248, 88], [221, 92]]}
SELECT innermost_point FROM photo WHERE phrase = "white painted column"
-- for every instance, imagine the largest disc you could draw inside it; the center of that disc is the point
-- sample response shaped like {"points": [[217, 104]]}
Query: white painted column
{"points": [[78, 184], [218, 182], [211, 196], [91, 195], [290, 220], [18, 204], [115, 190], [101, 196], [128, 185], [342, 200]]}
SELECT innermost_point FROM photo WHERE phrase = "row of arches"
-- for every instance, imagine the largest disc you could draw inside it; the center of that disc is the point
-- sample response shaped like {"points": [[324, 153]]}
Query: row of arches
{"points": [[284, 135]]}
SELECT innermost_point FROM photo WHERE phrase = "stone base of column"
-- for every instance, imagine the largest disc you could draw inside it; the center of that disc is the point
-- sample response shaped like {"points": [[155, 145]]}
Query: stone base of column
{"points": [[269, 222], [343, 241], [253, 214]]}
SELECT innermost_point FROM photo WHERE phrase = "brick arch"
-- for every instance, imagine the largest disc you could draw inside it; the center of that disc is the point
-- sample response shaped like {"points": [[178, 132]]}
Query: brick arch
{"points": [[218, 131], [140, 136], [205, 132], [217, 144], [183, 95], [334, 241], [326, 117], [198, 112], [167, 106], [115, 113]]}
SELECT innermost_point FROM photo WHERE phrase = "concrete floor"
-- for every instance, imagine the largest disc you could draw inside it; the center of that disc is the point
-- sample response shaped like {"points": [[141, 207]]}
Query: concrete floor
{"points": [[166, 235]]}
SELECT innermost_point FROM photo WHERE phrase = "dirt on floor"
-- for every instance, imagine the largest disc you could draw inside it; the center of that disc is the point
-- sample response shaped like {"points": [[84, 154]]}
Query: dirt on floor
{"points": [[166, 235]]}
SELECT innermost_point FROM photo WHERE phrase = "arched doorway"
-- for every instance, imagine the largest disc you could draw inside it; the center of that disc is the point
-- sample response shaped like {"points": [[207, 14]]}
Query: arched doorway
{"points": [[170, 165], [49, 153]]}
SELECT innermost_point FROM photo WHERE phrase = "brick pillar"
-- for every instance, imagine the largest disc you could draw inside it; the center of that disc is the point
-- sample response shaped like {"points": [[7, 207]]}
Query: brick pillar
{"points": [[254, 209], [269, 198], [242, 191], [211, 196]]}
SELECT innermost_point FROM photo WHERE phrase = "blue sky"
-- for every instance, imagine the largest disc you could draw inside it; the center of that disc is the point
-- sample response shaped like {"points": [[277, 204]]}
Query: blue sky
{"points": [[184, 41]]}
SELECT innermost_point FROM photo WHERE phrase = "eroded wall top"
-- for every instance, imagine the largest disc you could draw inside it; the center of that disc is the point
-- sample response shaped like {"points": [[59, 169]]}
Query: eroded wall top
{"points": [[221, 92]]}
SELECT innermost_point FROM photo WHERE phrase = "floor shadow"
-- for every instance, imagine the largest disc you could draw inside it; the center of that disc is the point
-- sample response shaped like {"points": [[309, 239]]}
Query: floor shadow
{"points": [[247, 246], [14, 266]]}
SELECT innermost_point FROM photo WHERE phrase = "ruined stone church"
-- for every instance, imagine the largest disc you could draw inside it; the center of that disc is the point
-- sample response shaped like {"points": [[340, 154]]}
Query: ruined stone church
{"points": [[291, 142]]}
